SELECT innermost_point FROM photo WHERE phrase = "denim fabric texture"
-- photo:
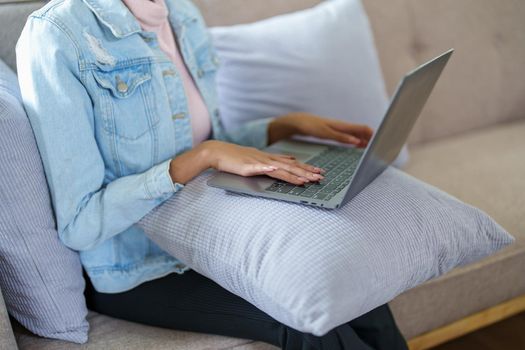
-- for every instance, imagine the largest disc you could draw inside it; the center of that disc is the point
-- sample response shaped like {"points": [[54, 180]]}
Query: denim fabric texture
{"points": [[108, 110]]}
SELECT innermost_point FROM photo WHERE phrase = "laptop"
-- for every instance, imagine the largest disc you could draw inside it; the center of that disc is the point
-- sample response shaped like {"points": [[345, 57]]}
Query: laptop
{"points": [[348, 169]]}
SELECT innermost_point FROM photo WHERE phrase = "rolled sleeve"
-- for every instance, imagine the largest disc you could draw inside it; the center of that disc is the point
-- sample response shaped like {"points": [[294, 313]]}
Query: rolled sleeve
{"points": [[253, 133], [158, 182]]}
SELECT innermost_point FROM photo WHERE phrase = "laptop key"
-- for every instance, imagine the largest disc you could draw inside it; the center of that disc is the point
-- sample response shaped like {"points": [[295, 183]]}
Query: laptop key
{"points": [[320, 196], [297, 191], [285, 188], [308, 194], [274, 187], [328, 189], [339, 166]]}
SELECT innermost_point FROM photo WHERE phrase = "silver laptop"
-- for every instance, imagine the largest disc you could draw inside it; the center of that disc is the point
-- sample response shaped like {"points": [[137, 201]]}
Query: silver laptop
{"points": [[348, 170]]}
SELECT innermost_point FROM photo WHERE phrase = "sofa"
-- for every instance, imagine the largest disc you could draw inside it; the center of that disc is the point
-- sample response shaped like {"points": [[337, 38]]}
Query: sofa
{"points": [[469, 141]]}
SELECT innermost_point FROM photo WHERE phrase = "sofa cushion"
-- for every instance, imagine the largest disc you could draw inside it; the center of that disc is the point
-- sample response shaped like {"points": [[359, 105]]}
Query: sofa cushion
{"points": [[41, 279], [13, 15], [7, 339], [113, 334], [487, 169], [321, 61]]}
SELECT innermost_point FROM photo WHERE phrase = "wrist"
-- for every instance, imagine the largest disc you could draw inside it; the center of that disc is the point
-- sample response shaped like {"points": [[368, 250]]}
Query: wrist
{"points": [[186, 166], [205, 155]]}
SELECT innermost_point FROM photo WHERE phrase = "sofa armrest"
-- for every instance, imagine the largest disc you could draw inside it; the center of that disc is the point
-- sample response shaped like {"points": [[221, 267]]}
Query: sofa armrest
{"points": [[7, 338]]}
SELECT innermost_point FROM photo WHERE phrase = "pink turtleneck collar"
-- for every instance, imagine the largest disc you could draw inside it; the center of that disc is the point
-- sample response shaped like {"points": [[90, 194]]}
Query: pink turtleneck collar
{"points": [[149, 13]]}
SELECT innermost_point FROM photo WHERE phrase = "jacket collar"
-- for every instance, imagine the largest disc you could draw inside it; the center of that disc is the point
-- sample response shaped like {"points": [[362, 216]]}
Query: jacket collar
{"points": [[121, 22]]}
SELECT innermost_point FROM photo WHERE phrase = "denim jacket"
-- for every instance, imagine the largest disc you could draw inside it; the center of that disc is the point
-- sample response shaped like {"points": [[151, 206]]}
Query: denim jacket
{"points": [[108, 110]]}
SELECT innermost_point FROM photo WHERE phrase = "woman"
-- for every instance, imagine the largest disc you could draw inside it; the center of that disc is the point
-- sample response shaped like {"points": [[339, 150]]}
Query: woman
{"points": [[122, 101]]}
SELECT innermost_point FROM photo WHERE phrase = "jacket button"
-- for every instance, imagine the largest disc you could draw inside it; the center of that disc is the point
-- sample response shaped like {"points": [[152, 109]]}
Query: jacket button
{"points": [[178, 116], [122, 87], [200, 73], [180, 266]]}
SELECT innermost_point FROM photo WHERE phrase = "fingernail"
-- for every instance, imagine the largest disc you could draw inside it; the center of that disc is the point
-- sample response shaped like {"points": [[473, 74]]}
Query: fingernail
{"points": [[303, 179], [269, 168]]}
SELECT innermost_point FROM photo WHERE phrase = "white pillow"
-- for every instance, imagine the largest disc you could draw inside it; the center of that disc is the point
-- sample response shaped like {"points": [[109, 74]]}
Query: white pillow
{"points": [[321, 60], [314, 269]]}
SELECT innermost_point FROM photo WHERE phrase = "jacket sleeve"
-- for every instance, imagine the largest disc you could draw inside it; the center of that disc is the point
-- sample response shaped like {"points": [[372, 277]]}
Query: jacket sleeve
{"points": [[253, 133], [61, 115]]}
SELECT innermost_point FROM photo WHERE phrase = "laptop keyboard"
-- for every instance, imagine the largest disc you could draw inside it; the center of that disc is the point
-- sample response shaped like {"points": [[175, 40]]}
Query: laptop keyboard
{"points": [[339, 164]]}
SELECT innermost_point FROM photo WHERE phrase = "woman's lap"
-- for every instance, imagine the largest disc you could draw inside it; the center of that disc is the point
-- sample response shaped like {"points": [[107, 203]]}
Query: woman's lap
{"points": [[192, 302]]}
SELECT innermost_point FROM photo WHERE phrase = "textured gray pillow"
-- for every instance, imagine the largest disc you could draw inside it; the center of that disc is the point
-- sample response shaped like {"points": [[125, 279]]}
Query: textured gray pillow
{"points": [[314, 269], [41, 279]]}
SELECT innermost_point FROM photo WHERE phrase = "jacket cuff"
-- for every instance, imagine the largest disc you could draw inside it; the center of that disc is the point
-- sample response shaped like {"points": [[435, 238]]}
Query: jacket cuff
{"points": [[255, 133], [158, 182]]}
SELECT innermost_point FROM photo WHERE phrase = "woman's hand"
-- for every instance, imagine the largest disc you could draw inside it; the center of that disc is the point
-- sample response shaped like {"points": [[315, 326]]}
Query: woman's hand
{"points": [[239, 160], [248, 161], [311, 125]]}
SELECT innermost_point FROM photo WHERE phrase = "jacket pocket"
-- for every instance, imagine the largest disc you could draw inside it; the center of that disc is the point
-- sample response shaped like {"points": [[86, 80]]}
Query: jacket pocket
{"points": [[127, 98]]}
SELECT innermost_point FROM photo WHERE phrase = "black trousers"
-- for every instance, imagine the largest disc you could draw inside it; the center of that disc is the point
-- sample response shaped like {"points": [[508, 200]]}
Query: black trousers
{"points": [[192, 302]]}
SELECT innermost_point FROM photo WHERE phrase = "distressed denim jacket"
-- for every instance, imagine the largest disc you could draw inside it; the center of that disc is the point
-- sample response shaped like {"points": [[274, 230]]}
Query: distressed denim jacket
{"points": [[108, 110]]}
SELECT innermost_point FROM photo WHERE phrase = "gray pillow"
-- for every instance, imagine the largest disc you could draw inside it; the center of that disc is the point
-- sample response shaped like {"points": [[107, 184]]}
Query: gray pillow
{"points": [[41, 279], [314, 269]]}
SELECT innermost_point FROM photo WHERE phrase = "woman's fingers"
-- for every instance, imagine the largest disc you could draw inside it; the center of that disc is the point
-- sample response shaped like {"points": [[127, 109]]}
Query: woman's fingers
{"points": [[341, 136], [305, 166], [285, 156], [359, 130], [256, 168], [356, 134], [284, 175], [286, 168], [297, 170], [275, 172]]}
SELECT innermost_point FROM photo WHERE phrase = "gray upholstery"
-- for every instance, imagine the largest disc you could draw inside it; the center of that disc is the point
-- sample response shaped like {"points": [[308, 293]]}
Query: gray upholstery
{"points": [[486, 169], [7, 339], [112, 334], [12, 19], [483, 89]]}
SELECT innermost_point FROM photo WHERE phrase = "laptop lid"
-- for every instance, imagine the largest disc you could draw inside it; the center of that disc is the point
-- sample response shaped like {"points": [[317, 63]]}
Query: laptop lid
{"points": [[405, 107]]}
